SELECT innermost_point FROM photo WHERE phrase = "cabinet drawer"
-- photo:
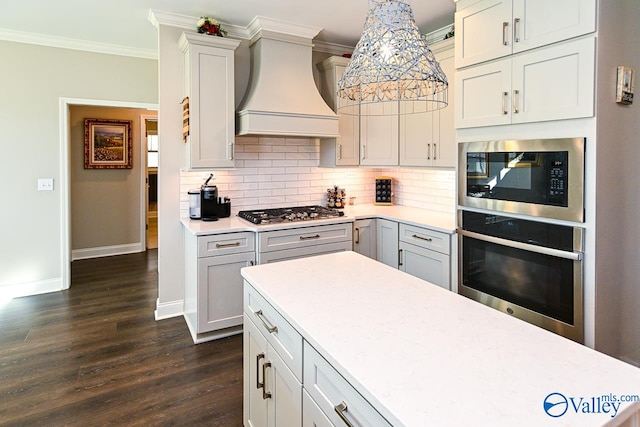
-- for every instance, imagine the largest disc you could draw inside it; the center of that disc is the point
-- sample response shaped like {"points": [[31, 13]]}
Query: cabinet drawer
{"points": [[425, 238], [330, 390], [224, 244], [312, 416], [279, 333], [302, 237]]}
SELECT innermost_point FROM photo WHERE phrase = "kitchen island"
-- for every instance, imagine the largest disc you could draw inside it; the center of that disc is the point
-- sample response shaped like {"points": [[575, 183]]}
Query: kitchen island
{"points": [[412, 354]]}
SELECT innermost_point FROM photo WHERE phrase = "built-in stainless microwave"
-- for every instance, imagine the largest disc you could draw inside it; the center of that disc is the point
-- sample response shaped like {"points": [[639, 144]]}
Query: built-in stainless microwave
{"points": [[539, 177]]}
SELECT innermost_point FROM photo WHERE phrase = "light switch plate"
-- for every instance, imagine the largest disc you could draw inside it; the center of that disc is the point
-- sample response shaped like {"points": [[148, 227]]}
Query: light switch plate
{"points": [[45, 184]]}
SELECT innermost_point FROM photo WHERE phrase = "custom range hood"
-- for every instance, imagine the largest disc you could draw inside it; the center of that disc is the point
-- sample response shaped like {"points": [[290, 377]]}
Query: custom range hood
{"points": [[282, 98]]}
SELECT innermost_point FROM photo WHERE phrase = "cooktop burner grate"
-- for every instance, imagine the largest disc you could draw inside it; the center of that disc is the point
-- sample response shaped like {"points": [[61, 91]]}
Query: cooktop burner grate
{"points": [[293, 214]]}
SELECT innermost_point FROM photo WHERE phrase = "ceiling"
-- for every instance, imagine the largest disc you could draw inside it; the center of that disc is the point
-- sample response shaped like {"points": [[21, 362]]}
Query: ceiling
{"points": [[125, 22]]}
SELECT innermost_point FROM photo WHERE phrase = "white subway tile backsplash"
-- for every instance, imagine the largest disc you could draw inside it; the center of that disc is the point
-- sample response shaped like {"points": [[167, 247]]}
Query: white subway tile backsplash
{"points": [[276, 172]]}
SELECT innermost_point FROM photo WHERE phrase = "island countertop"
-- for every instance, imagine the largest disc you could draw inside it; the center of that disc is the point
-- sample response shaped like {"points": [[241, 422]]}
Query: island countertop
{"points": [[422, 355]]}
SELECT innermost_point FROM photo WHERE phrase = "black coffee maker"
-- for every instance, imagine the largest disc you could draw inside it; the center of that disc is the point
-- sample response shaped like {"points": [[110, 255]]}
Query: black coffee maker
{"points": [[213, 207]]}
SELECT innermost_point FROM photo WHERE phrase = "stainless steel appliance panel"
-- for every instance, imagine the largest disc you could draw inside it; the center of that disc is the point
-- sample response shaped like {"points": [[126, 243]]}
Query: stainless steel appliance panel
{"points": [[540, 177]]}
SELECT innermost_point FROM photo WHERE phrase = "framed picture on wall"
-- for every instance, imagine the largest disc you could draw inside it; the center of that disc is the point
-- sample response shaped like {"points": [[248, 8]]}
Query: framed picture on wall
{"points": [[107, 144]]}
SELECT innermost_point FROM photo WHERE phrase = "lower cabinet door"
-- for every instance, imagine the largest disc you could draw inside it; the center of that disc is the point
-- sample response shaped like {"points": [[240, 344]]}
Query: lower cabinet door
{"points": [[312, 415], [272, 394], [220, 290], [426, 264], [387, 238], [364, 237], [285, 403], [254, 404]]}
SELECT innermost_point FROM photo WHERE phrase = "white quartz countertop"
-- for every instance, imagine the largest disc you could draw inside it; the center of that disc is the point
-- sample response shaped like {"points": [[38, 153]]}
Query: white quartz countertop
{"points": [[426, 356], [438, 221]]}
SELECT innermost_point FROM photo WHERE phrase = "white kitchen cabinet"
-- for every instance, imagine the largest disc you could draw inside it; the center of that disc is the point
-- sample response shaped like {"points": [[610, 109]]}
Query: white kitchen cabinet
{"points": [[209, 85], [312, 415], [345, 149], [425, 253], [428, 138], [552, 83], [364, 237], [282, 245], [335, 397], [213, 285], [272, 393], [490, 29], [387, 242], [428, 265], [379, 137]]}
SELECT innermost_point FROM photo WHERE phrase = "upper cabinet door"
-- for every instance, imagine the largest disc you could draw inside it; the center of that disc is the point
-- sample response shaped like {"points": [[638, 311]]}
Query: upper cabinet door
{"points": [[541, 22], [482, 96], [483, 32], [554, 83], [379, 134], [209, 84], [491, 29]]}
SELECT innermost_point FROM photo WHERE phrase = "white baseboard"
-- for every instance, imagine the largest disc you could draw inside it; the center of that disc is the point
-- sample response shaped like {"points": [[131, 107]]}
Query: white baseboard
{"points": [[103, 251], [31, 288], [167, 310]]}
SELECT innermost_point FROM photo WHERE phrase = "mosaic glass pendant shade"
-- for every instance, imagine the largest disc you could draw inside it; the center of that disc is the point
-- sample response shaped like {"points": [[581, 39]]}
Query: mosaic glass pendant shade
{"points": [[391, 63]]}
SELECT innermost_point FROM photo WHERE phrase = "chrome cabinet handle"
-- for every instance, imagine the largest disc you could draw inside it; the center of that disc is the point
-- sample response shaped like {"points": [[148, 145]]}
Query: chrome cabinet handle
{"points": [[399, 257], [265, 394], [435, 151], [505, 25], [364, 151], [357, 236], [270, 328], [515, 101], [231, 151], [340, 409], [505, 96], [258, 383], [227, 245], [317, 236], [428, 151], [516, 30], [339, 151], [428, 239]]}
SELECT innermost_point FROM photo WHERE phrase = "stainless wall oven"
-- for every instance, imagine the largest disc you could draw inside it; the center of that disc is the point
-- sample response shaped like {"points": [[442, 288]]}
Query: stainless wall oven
{"points": [[541, 177], [529, 269]]}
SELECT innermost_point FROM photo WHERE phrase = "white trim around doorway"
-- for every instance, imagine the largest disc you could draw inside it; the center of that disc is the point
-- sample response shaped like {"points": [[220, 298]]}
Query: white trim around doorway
{"points": [[65, 190]]}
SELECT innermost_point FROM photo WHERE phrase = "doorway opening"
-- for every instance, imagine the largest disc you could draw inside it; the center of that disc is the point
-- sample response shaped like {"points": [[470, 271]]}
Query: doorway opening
{"points": [[66, 163], [151, 137]]}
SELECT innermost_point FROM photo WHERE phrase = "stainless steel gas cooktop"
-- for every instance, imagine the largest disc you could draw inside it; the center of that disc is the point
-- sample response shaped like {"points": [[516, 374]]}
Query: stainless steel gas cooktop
{"points": [[293, 214]]}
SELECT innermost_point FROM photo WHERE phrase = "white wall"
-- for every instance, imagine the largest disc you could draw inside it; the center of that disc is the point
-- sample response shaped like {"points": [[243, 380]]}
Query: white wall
{"points": [[32, 81], [618, 261]]}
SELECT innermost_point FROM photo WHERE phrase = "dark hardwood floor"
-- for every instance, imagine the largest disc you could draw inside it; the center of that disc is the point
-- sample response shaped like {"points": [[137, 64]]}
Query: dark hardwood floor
{"points": [[94, 355]]}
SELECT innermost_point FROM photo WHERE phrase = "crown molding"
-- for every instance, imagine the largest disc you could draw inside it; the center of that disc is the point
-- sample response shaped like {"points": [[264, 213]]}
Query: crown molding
{"points": [[332, 48], [186, 22], [74, 44]]}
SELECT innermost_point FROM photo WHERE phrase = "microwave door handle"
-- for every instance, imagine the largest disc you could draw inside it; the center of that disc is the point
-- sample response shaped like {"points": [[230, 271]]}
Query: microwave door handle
{"points": [[574, 256]]}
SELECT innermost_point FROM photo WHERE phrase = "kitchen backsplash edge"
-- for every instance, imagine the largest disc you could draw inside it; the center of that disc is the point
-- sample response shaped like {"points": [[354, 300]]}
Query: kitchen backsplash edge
{"points": [[276, 172]]}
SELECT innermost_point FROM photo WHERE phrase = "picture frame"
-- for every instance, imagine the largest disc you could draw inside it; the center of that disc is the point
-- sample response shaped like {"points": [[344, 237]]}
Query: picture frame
{"points": [[522, 160], [107, 144], [477, 165]]}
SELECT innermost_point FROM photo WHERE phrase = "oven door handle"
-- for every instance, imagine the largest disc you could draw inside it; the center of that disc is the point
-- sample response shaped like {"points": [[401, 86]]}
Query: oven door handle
{"points": [[574, 256]]}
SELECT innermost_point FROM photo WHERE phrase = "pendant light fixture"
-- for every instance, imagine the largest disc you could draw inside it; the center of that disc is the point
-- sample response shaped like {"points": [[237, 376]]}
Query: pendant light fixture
{"points": [[391, 64]]}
